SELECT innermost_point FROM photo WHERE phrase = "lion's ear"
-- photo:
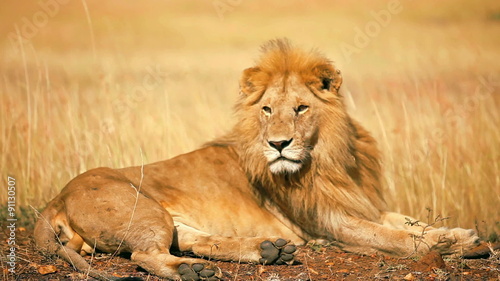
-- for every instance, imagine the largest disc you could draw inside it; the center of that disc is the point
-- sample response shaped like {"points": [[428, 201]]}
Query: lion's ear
{"points": [[330, 78], [247, 81], [253, 83]]}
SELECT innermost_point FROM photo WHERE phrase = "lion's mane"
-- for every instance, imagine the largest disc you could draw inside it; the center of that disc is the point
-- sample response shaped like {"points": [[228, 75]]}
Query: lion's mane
{"points": [[343, 177]]}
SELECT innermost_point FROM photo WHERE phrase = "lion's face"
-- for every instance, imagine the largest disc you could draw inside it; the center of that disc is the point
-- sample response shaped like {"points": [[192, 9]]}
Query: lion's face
{"points": [[285, 99], [288, 124]]}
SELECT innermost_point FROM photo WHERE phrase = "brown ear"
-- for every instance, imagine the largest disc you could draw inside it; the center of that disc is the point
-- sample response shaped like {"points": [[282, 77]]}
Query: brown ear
{"points": [[247, 80], [253, 84], [330, 78]]}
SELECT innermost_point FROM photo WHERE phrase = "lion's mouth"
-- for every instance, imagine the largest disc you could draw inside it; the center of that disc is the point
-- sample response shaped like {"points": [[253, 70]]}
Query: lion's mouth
{"points": [[283, 165], [283, 158]]}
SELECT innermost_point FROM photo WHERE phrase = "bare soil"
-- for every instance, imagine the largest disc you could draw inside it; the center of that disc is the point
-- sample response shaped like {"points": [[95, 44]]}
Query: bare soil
{"points": [[313, 263]]}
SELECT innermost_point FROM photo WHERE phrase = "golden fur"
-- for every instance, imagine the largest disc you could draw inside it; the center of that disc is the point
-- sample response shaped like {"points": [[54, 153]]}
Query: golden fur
{"points": [[295, 166], [345, 167]]}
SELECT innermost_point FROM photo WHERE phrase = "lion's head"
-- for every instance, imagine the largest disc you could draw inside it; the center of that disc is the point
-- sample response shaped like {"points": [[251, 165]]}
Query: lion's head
{"points": [[286, 100]]}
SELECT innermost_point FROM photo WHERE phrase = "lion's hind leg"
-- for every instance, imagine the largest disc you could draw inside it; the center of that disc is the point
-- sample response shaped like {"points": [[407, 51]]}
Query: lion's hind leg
{"points": [[270, 250], [164, 264], [150, 238], [120, 219]]}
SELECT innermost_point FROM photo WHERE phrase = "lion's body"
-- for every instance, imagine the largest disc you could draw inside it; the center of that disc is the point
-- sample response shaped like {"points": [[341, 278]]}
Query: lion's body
{"points": [[219, 191], [295, 166]]}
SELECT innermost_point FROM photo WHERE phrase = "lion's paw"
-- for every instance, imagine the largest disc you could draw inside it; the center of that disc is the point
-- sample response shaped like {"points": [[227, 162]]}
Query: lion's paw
{"points": [[198, 271], [452, 241], [279, 252]]}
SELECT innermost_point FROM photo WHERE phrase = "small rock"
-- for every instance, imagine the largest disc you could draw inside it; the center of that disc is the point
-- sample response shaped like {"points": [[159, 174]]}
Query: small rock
{"points": [[47, 269], [484, 250], [343, 271], [409, 276], [432, 260]]}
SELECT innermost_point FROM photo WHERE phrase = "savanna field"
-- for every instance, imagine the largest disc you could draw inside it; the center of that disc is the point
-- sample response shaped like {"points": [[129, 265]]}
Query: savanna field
{"points": [[119, 83]]}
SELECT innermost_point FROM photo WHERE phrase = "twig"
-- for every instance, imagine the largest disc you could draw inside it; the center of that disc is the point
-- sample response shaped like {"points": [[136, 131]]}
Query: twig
{"points": [[419, 239]]}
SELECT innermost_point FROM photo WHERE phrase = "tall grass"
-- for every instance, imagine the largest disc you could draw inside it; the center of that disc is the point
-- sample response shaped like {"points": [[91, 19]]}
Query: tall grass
{"points": [[163, 79]]}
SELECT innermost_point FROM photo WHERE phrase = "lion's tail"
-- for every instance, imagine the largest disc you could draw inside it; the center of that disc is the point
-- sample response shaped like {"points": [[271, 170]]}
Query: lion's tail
{"points": [[46, 239]]}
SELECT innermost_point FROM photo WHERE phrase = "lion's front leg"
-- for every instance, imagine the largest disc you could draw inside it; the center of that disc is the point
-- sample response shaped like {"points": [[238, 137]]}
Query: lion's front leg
{"points": [[264, 250], [446, 241], [402, 239]]}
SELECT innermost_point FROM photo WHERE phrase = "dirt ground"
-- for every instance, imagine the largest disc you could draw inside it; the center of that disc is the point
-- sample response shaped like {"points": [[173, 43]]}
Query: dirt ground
{"points": [[313, 263]]}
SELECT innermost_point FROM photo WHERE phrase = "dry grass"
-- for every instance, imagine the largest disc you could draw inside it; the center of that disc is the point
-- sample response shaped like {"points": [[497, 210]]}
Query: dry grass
{"points": [[162, 78]]}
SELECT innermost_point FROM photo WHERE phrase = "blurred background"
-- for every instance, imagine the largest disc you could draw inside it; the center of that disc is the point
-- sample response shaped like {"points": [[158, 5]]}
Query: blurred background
{"points": [[116, 83]]}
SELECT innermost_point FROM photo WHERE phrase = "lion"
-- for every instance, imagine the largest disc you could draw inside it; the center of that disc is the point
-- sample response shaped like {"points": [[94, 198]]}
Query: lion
{"points": [[295, 168]]}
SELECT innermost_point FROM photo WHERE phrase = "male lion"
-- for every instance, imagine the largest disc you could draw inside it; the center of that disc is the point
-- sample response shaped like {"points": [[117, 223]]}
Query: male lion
{"points": [[294, 168]]}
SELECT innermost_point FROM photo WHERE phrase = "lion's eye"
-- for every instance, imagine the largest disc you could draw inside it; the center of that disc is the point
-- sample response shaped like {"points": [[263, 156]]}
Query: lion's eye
{"points": [[301, 109], [267, 110]]}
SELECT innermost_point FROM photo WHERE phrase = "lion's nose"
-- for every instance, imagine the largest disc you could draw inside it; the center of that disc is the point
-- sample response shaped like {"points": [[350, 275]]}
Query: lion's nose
{"points": [[280, 145]]}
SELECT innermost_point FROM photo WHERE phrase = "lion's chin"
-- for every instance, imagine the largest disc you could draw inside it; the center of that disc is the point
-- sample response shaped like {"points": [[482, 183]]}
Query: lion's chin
{"points": [[284, 166]]}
